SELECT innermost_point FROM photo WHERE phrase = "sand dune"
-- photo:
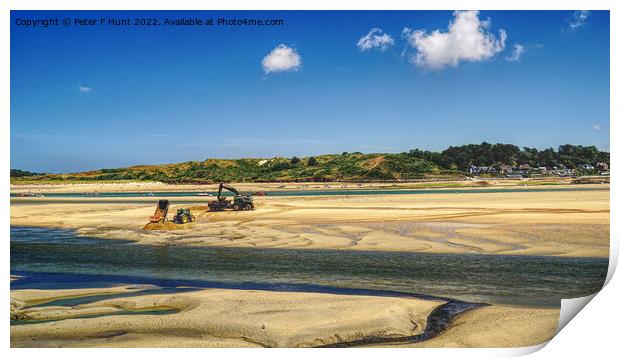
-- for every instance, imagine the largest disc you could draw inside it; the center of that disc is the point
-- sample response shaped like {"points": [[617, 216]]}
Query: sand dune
{"points": [[255, 318], [231, 318]]}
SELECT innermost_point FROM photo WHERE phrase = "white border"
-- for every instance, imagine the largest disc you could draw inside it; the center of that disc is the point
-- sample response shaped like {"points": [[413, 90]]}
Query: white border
{"points": [[307, 5], [593, 331]]}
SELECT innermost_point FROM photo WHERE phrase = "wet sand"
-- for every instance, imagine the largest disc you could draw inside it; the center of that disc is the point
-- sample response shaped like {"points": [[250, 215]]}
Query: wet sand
{"points": [[87, 187], [496, 327], [232, 318], [565, 223]]}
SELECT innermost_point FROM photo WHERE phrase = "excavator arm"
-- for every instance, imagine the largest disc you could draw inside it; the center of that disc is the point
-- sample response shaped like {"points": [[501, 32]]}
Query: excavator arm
{"points": [[229, 188]]}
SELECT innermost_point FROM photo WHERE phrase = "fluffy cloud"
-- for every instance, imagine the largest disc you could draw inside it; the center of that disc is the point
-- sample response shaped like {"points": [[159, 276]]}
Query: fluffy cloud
{"points": [[517, 51], [85, 89], [467, 39], [578, 20], [282, 58], [375, 38], [596, 127]]}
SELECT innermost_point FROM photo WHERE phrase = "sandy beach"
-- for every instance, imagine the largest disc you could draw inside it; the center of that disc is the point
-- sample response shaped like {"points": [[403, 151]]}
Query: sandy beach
{"points": [[532, 222], [103, 187], [561, 223], [232, 318], [289, 178]]}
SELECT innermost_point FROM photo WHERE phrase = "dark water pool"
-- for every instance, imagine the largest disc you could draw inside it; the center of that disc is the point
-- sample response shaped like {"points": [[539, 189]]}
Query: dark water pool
{"points": [[19, 322]]}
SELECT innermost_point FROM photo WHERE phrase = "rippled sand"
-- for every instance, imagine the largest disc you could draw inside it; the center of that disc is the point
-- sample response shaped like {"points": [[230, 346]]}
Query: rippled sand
{"points": [[567, 223], [233, 318], [89, 187]]}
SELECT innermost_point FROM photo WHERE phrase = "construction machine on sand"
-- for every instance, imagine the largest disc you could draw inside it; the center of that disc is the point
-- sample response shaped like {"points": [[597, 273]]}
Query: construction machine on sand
{"points": [[160, 212], [183, 216], [239, 202]]}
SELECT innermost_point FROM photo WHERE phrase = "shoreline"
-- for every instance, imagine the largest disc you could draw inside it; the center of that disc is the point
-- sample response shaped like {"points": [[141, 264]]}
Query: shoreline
{"points": [[151, 244], [64, 281], [526, 223], [191, 196], [128, 187], [231, 318], [560, 223]]}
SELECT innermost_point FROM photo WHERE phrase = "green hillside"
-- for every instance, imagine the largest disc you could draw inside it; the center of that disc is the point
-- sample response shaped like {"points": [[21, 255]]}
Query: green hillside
{"points": [[353, 166], [415, 164]]}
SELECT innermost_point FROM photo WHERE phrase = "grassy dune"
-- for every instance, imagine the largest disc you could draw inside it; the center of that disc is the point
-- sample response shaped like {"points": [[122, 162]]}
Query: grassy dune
{"points": [[353, 166]]}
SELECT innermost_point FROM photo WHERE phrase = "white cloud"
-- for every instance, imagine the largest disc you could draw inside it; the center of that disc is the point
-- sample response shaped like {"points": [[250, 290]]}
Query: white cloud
{"points": [[578, 20], [85, 89], [467, 39], [596, 127], [375, 38], [517, 51], [282, 58]]}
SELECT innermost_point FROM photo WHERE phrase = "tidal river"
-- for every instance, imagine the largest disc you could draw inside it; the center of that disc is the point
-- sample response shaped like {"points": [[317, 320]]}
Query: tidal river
{"points": [[324, 192], [55, 258]]}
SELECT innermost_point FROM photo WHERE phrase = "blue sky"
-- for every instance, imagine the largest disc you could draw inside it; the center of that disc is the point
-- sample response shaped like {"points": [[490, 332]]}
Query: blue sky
{"points": [[98, 97]]}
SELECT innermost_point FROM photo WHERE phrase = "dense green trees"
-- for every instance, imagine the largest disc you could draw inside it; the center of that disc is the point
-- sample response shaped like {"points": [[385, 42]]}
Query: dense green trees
{"points": [[485, 154], [16, 173]]}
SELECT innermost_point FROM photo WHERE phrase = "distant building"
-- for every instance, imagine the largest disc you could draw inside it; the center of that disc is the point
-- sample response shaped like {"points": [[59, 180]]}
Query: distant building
{"points": [[563, 172], [514, 176], [602, 166], [524, 167], [507, 169], [586, 167], [480, 170]]}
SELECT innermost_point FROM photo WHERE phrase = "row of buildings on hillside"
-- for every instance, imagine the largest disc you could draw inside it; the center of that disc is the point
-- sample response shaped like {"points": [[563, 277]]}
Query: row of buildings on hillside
{"points": [[516, 171]]}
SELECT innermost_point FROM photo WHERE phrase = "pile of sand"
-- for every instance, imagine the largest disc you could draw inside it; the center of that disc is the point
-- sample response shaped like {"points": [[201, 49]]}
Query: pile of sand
{"points": [[168, 225]]}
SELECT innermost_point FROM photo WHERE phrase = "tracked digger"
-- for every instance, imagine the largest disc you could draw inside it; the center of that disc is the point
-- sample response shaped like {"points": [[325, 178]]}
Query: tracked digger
{"points": [[239, 202]]}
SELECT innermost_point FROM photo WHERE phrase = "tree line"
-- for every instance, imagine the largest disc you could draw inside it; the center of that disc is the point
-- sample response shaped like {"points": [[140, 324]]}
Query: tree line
{"points": [[16, 173], [486, 154]]}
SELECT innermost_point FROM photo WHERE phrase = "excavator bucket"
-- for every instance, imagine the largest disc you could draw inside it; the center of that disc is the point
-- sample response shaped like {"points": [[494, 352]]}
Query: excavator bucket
{"points": [[160, 212]]}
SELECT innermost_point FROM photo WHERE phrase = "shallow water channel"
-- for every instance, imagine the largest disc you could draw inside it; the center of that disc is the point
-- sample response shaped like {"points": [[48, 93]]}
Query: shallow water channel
{"points": [[57, 258], [321, 192]]}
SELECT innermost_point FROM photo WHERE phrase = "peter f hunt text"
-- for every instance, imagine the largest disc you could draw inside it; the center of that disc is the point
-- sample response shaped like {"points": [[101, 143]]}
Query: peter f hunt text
{"points": [[126, 21]]}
